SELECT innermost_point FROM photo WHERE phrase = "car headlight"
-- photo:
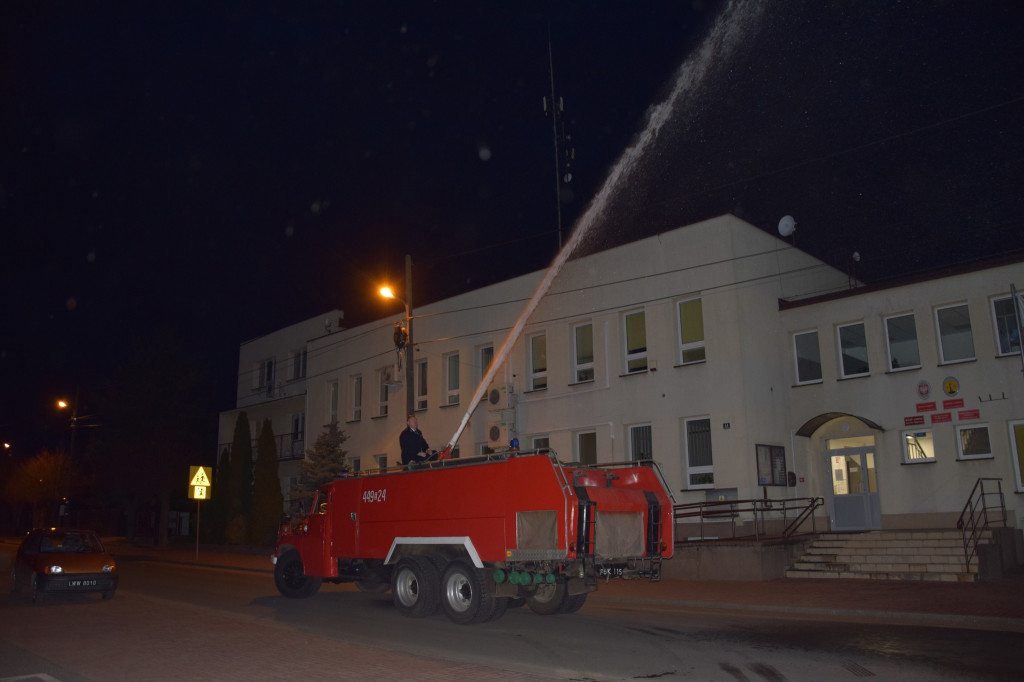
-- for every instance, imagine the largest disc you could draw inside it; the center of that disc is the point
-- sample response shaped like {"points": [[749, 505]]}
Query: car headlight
{"points": [[54, 569], [109, 568]]}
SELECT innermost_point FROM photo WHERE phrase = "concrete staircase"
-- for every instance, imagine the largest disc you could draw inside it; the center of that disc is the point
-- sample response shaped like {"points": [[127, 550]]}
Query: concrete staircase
{"points": [[887, 555]]}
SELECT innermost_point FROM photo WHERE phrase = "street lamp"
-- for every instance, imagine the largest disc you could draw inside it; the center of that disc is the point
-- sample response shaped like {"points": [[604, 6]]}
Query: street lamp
{"points": [[63, 404], [387, 292]]}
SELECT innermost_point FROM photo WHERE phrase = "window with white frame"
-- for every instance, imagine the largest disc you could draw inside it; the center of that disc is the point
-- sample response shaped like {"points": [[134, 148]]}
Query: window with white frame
{"points": [[383, 379], [918, 446], [332, 402], [1017, 443], [635, 329], [451, 379], [586, 447], [640, 445], [956, 342], [691, 331], [1007, 328], [538, 362], [583, 352], [421, 384], [973, 442], [355, 465], [901, 341], [355, 388], [541, 443], [381, 461], [808, 357], [486, 357], [853, 350], [699, 463], [297, 365], [263, 374]]}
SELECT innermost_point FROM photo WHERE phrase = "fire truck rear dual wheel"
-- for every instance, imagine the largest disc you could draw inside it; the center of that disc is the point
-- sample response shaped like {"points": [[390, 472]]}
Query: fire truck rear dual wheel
{"points": [[415, 587], [291, 579], [547, 599], [464, 595]]}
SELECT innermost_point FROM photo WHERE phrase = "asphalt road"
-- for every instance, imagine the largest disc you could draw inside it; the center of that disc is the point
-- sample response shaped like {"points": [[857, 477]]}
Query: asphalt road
{"points": [[180, 622]]}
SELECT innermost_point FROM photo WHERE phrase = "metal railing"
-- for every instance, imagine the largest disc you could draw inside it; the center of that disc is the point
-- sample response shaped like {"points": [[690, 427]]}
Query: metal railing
{"points": [[985, 508], [787, 515]]}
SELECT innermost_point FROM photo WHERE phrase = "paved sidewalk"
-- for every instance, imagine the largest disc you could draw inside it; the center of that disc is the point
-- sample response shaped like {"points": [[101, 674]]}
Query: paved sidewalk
{"points": [[991, 605]]}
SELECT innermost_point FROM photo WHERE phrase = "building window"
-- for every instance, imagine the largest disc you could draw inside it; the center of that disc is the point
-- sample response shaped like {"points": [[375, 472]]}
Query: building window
{"points": [[583, 352], [332, 402], [973, 442], [808, 357], [263, 374], [640, 448], [1017, 443], [297, 365], [541, 443], [486, 358], [853, 350], [901, 340], [383, 379], [451, 378], [354, 465], [381, 461], [956, 342], [538, 362], [699, 464], [421, 384], [586, 447], [636, 342], [691, 331], [918, 446], [356, 396], [1007, 327]]}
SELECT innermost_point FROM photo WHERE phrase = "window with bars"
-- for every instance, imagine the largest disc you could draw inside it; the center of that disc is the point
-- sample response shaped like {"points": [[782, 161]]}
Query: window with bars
{"points": [[640, 444]]}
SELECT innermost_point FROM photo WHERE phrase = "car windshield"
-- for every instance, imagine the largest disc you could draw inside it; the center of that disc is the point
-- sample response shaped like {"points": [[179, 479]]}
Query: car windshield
{"points": [[70, 541]]}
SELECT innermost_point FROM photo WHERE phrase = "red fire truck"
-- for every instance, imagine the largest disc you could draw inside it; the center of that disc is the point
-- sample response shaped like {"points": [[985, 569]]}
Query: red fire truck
{"points": [[472, 535]]}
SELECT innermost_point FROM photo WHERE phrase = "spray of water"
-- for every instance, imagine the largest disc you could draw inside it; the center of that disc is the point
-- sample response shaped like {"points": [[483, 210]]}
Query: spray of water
{"points": [[733, 23]]}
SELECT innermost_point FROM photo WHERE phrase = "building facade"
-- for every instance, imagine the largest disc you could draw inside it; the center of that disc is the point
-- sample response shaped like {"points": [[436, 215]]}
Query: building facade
{"points": [[743, 366]]}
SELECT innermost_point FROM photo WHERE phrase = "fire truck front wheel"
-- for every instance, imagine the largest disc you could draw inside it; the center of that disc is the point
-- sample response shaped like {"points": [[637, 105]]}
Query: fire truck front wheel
{"points": [[464, 595], [415, 587], [291, 579]]}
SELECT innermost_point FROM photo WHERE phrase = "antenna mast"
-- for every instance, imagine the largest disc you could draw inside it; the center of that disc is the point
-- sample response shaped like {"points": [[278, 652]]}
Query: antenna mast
{"points": [[557, 109]]}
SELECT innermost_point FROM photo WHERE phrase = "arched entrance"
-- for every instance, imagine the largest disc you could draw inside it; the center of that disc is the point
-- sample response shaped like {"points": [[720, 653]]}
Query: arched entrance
{"points": [[851, 490]]}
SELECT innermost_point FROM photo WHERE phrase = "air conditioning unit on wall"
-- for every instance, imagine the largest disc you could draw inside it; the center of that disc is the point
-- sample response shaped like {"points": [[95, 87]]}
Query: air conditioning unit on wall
{"points": [[501, 396], [500, 433]]}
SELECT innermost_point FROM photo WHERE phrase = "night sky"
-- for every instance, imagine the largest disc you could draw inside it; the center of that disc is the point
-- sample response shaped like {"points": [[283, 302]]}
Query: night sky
{"points": [[218, 170]]}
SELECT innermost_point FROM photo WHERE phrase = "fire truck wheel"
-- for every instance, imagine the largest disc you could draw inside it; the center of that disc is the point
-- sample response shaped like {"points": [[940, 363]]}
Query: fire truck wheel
{"points": [[464, 594], [501, 605], [573, 602], [547, 599], [291, 579], [415, 587]]}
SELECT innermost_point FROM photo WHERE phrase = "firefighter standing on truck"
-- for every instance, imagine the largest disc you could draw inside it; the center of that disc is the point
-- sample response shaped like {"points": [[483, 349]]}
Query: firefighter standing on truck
{"points": [[414, 445]]}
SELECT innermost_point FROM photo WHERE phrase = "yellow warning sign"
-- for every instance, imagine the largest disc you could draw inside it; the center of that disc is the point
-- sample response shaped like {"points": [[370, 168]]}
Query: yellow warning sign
{"points": [[199, 476], [199, 483]]}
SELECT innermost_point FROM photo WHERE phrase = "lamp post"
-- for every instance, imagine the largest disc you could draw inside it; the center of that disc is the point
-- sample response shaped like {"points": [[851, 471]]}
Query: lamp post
{"points": [[63, 404], [387, 292]]}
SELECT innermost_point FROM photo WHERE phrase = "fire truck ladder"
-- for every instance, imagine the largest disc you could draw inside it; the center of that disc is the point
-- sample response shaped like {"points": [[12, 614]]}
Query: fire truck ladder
{"points": [[653, 550], [585, 535]]}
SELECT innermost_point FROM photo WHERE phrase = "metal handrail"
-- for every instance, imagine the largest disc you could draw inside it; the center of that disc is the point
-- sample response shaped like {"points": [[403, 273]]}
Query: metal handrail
{"points": [[978, 515], [758, 509]]}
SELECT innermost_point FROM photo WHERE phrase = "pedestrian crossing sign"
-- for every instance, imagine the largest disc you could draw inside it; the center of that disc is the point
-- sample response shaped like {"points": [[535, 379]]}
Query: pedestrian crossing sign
{"points": [[199, 483]]}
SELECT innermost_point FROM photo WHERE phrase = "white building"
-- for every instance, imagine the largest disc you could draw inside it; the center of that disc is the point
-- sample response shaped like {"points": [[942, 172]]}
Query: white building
{"points": [[709, 348]]}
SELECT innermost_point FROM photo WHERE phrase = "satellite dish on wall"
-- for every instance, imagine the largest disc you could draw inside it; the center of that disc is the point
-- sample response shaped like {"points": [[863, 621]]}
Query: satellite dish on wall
{"points": [[787, 226]]}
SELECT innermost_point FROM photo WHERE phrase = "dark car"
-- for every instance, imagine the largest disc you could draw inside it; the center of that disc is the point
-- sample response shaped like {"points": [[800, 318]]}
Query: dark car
{"points": [[63, 560]]}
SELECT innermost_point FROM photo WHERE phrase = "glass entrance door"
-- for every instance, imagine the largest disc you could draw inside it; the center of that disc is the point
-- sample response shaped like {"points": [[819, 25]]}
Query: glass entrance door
{"points": [[853, 502]]}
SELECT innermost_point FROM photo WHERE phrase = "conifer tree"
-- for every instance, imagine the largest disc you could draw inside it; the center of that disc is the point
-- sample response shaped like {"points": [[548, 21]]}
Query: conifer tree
{"points": [[239, 481], [267, 500], [324, 462]]}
